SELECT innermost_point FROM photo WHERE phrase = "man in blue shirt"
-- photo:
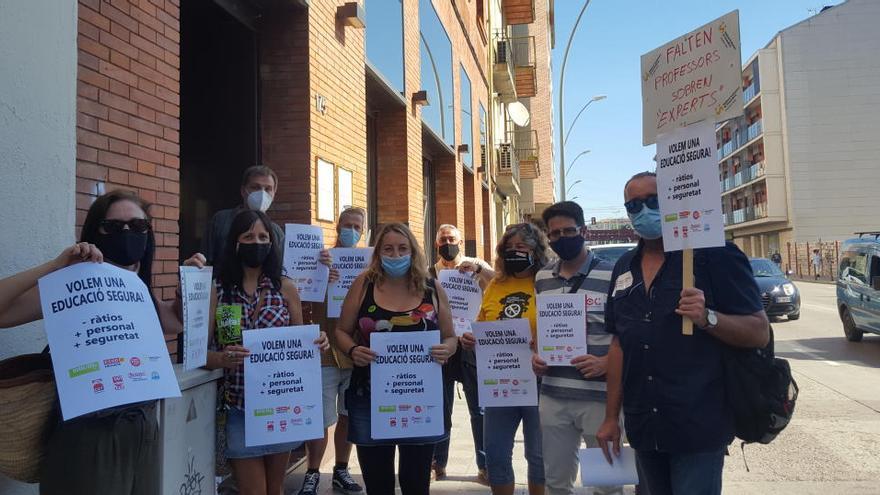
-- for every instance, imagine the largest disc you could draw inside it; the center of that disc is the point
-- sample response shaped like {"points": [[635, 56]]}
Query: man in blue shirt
{"points": [[671, 385]]}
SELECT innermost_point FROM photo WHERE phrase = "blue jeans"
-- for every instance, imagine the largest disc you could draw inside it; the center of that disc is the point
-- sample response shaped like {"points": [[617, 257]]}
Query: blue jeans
{"points": [[696, 473], [500, 425], [469, 384]]}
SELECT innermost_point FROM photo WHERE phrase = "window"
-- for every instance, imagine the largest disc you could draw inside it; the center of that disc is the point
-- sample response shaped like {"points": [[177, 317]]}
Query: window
{"points": [[484, 152], [435, 53], [384, 39], [466, 119], [853, 266]]}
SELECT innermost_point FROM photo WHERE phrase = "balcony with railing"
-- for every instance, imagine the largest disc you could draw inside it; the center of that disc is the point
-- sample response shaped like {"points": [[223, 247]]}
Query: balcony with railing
{"points": [[508, 170], [518, 11], [503, 69], [747, 214], [525, 146], [743, 177], [750, 93], [754, 130], [526, 78]]}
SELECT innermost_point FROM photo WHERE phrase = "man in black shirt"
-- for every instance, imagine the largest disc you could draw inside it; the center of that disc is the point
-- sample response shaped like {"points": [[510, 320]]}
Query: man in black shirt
{"points": [[672, 389]]}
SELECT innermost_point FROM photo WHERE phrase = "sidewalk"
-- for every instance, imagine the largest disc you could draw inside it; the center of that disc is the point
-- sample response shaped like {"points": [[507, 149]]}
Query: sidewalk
{"points": [[461, 471]]}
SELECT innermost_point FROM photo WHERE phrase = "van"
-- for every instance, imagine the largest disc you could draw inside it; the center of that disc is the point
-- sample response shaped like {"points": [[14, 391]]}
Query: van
{"points": [[858, 286]]}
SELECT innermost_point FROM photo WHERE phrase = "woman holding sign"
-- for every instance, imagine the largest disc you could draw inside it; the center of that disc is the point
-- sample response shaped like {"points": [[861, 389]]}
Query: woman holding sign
{"points": [[250, 294], [394, 294], [521, 252], [114, 450]]}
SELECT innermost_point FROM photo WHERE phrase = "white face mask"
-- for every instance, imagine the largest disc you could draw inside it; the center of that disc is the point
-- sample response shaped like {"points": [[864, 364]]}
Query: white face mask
{"points": [[259, 200]]}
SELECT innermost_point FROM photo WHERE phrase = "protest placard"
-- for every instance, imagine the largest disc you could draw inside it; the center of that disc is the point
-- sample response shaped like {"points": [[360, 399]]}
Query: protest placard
{"points": [[504, 363], [692, 78], [406, 396], [562, 327], [463, 291], [350, 262], [595, 470], [302, 249], [688, 188], [282, 385], [107, 344], [195, 294]]}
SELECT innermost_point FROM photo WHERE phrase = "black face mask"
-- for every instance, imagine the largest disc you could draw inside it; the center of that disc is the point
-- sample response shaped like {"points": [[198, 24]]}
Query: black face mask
{"points": [[123, 248], [516, 261], [253, 255], [449, 251], [568, 248]]}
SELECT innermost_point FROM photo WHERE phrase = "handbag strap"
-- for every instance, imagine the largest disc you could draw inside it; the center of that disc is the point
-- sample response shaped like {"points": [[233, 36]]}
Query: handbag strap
{"points": [[577, 285]]}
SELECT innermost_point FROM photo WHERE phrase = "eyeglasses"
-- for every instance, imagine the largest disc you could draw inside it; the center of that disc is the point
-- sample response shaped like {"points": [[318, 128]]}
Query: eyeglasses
{"points": [[566, 232], [634, 206], [138, 225]]}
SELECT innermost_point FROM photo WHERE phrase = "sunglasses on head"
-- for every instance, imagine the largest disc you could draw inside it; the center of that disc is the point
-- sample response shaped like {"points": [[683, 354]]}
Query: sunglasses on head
{"points": [[634, 206], [138, 225]]}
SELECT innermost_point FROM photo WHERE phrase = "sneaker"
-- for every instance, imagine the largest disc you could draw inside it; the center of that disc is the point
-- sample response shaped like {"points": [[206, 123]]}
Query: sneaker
{"points": [[343, 481], [310, 484]]}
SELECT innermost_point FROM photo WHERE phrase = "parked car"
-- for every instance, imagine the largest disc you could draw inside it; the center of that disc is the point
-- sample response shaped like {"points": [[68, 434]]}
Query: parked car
{"points": [[858, 286], [612, 252], [779, 294]]}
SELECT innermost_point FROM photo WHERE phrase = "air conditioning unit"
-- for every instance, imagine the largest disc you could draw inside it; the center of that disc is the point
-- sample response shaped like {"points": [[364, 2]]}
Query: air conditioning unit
{"points": [[506, 158]]}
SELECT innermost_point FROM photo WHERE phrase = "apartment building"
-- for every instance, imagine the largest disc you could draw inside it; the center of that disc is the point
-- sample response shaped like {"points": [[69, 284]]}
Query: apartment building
{"points": [[801, 164]]}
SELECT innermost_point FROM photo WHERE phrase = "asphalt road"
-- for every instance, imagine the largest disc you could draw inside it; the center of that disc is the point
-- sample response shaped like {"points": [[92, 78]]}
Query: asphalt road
{"points": [[833, 444]]}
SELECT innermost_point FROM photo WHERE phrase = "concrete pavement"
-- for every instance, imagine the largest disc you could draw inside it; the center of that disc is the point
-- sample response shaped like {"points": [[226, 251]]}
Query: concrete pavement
{"points": [[832, 446]]}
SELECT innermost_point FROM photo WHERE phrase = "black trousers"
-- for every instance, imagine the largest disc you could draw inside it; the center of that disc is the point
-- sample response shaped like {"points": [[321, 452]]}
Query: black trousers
{"points": [[413, 468]]}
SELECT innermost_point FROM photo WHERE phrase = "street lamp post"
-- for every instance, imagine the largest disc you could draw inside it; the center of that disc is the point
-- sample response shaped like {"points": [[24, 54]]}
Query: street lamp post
{"points": [[561, 109], [576, 117], [570, 165], [572, 185]]}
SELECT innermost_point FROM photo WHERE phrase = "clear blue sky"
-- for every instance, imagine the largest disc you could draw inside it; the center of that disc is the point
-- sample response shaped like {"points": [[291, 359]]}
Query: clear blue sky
{"points": [[604, 59]]}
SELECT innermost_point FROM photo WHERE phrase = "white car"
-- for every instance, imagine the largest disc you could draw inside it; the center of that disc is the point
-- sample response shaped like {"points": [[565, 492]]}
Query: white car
{"points": [[612, 252]]}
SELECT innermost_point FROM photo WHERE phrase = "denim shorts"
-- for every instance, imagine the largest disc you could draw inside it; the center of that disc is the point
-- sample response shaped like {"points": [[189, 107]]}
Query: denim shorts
{"points": [[359, 427], [335, 382], [235, 447]]}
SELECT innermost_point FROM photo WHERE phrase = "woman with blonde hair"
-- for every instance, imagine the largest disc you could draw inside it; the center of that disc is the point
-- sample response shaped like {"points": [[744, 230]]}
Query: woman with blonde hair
{"points": [[521, 252], [394, 294]]}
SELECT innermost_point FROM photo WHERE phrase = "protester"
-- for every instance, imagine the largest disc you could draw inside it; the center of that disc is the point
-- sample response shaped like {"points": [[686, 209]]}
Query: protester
{"points": [[258, 187], [122, 442], [573, 397], [335, 377], [394, 294], [249, 276], [776, 258], [463, 365], [671, 385], [521, 252]]}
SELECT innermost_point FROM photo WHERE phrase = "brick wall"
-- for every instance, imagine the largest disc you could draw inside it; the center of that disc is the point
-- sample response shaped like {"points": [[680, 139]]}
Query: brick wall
{"points": [[128, 112], [541, 108]]}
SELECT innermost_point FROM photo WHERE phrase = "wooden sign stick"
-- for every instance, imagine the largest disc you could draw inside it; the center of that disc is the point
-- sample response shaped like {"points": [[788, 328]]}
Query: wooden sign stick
{"points": [[687, 282]]}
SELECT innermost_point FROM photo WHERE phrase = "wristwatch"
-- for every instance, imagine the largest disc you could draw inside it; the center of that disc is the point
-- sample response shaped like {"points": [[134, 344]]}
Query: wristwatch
{"points": [[711, 319]]}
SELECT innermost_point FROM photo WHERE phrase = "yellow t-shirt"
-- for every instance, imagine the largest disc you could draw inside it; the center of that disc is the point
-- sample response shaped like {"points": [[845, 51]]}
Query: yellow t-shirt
{"points": [[510, 299]]}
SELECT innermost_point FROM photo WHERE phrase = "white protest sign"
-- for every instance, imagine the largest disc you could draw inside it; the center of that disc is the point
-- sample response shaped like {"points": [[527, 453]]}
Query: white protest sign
{"points": [[303, 245], [282, 385], [463, 291], [595, 470], [406, 395], [688, 188], [504, 363], [692, 78], [562, 327], [350, 262], [107, 344], [461, 326], [195, 291]]}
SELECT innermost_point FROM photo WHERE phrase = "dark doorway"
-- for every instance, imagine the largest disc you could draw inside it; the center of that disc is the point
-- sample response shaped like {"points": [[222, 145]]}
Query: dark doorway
{"points": [[430, 202], [219, 115]]}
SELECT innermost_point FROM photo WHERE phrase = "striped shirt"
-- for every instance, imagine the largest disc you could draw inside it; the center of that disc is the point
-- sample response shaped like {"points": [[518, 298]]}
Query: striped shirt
{"points": [[566, 382]]}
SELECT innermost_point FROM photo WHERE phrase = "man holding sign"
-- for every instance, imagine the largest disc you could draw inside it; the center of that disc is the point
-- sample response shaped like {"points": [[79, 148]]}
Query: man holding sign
{"points": [[673, 389], [573, 392]]}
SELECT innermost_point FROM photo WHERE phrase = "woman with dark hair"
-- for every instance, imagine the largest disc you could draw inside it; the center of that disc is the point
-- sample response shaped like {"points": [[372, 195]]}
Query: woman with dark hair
{"points": [[249, 278], [114, 450], [521, 252], [394, 294]]}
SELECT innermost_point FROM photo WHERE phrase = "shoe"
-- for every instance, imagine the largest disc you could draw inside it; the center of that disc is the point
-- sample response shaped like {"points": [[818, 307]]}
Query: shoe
{"points": [[343, 481], [482, 477], [310, 484], [438, 471]]}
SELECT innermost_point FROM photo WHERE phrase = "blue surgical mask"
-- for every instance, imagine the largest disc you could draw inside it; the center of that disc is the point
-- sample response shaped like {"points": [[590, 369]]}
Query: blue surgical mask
{"points": [[647, 223], [349, 237], [396, 267]]}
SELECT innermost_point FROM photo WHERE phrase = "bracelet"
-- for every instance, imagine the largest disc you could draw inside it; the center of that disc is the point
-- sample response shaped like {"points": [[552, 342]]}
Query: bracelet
{"points": [[351, 350]]}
